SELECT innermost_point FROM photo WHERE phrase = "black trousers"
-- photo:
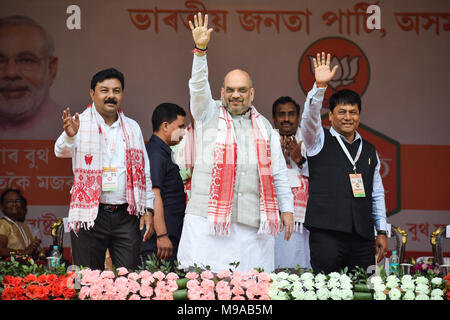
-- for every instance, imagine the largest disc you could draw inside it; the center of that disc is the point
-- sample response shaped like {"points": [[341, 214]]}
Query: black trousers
{"points": [[117, 231], [332, 251]]}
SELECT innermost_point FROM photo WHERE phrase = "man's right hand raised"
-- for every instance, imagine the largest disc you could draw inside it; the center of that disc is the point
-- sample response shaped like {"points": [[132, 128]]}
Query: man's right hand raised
{"points": [[70, 124], [322, 71], [200, 31]]}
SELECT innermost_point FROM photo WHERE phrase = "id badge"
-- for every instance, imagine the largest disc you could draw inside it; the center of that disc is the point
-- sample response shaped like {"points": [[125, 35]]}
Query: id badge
{"points": [[357, 185], [109, 179]]}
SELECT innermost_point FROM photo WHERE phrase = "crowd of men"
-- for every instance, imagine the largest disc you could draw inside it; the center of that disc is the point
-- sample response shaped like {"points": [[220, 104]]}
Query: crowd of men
{"points": [[229, 188]]}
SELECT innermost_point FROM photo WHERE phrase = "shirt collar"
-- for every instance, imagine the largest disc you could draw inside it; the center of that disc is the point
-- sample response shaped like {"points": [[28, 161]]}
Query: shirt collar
{"points": [[161, 143], [334, 133]]}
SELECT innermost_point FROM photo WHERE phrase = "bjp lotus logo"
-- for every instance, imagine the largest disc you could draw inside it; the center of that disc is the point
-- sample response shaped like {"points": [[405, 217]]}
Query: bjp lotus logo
{"points": [[353, 72]]}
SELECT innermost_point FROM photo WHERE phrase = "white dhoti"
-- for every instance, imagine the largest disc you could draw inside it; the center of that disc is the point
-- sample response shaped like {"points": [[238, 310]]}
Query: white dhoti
{"points": [[244, 245], [295, 251]]}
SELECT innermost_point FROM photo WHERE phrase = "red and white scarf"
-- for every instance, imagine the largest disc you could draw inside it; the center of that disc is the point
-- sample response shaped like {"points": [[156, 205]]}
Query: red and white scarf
{"points": [[300, 200], [220, 200], [189, 158], [87, 181]]}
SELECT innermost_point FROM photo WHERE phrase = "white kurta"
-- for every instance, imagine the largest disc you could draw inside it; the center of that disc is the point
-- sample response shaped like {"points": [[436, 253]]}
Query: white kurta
{"points": [[289, 254]]}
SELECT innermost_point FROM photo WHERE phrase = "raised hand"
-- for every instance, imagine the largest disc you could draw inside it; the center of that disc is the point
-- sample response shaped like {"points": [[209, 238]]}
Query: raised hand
{"points": [[70, 124], [200, 31], [322, 70]]}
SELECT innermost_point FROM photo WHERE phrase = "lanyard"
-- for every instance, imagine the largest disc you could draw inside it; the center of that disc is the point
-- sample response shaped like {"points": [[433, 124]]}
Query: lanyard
{"points": [[344, 148], [22, 232]]}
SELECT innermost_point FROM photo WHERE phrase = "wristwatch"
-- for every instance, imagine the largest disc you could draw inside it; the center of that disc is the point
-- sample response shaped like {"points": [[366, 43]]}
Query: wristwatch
{"points": [[382, 232]]}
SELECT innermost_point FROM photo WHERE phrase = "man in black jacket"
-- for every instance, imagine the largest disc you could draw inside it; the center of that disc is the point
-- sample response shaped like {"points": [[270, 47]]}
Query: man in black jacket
{"points": [[346, 194]]}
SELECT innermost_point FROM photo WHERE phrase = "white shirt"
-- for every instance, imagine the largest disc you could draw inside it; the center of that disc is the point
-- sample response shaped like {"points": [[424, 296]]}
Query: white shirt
{"points": [[313, 139], [203, 108], [65, 147]]}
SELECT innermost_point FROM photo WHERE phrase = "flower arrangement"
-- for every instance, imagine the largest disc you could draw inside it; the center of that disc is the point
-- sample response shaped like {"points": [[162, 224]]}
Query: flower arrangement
{"points": [[408, 287], [228, 285], [124, 285], [43, 287], [308, 286]]}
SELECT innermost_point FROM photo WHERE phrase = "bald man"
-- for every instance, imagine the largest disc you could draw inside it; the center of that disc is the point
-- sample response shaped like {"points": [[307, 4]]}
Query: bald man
{"points": [[28, 69], [240, 197]]}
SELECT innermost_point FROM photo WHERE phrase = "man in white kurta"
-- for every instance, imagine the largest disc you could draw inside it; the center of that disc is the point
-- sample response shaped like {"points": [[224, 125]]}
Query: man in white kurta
{"points": [[245, 241], [286, 120]]}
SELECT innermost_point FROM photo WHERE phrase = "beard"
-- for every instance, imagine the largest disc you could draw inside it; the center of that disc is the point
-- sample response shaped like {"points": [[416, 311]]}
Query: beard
{"points": [[20, 109]]}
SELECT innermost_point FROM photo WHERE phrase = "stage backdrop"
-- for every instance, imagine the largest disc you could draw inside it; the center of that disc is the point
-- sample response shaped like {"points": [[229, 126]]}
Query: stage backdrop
{"points": [[401, 70]]}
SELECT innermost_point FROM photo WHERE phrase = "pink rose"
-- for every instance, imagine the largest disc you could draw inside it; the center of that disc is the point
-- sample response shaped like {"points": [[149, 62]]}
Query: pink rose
{"points": [[122, 271], [195, 293], [191, 284], [169, 296], [133, 276], [172, 285], [146, 291], [207, 275], [159, 275], [134, 297], [96, 292], [223, 274], [237, 290], [251, 273], [192, 275], [249, 283], [208, 284], [147, 282], [146, 275], [224, 296], [172, 276], [236, 281], [222, 285], [133, 286], [121, 281], [107, 275], [264, 276], [84, 292], [238, 273], [238, 298]]}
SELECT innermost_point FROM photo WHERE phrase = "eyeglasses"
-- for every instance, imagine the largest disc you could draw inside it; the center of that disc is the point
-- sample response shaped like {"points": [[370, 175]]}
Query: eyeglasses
{"points": [[22, 63]]}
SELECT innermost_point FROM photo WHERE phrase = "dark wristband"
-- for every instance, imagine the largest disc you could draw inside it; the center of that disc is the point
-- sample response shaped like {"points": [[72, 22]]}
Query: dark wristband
{"points": [[162, 235], [381, 233]]}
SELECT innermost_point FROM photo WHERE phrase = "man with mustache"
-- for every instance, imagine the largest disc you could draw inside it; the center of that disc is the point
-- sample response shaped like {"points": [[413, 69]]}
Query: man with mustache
{"points": [[286, 119], [111, 197], [27, 70], [239, 184], [346, 195]]}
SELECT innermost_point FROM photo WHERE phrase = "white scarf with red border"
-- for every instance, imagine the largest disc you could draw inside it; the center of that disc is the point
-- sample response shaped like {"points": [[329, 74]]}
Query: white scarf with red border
{"points": [[87, 181], [220, 200]]}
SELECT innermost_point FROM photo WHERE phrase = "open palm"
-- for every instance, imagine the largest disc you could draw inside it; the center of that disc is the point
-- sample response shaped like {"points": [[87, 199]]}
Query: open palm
{"points": [[200, 31], [322, 71]]}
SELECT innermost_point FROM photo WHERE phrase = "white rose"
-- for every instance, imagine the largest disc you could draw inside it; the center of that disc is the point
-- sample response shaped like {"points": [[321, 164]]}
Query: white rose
{"points": [[321, 285], [273, 277], [334, 275], [391, 284], [307, 276], [422, 297], [310, 295], [421, 280], [376, 279], [345, 278], [395, 294], [320, 277], [297, 286], [436, 281], [323, 294], [335, 294], [298, 294], [273, 292], [284, 284], [392, 277], [422, 288], [409, 295], [347, 294], [308, 284], [346, 285], [379, 287], [379, 295], [407, 278], [407, 286], [436, 298], [282, 275], [293, 277], [437, 292], [333, 283]]}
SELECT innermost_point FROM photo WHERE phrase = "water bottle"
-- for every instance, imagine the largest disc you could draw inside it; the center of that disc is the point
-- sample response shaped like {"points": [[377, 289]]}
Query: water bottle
{"points": [[53, 261], [394, 262]]}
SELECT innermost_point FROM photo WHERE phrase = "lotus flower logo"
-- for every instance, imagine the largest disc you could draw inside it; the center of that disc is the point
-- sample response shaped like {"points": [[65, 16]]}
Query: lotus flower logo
{"points": [[345, 74]]}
